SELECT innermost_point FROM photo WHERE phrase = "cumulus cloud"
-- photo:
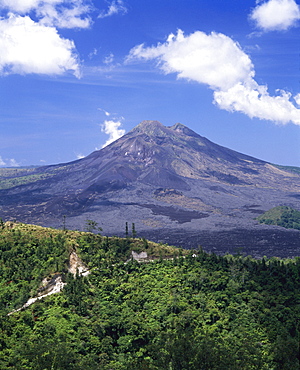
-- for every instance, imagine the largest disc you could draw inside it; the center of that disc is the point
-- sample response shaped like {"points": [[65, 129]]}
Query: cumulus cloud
{"points": [[29, 38], [112, 128], [30, 47], [219, 62], [8, 162], [58, 13], [297, 99], [212, 59], [66, 17], [20, 6], [255, 101], [276, 15], [2, 163], [109, 59], [115, 7], [13, 163]]}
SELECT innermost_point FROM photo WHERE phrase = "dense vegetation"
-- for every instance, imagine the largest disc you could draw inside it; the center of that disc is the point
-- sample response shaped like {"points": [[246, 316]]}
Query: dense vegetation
{"points": [[281, 216], [179, 311]]}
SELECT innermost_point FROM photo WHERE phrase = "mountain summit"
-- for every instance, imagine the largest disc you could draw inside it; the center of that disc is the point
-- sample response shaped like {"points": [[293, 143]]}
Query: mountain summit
{"points": [[169, 156], [169, 181]]}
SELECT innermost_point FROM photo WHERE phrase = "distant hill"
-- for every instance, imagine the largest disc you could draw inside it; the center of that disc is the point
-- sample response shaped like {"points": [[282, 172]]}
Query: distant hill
{"points": [[282, 216], [288, 168], [173, 184], [29, 254]]}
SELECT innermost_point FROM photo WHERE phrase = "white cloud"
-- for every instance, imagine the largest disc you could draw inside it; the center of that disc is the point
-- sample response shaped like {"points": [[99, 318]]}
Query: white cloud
{"points": [[115, 7], [212, 59], [219, 62], [255, 101], [80, 156], [8, 162], [65, 17], [30, 47], [297, 99], [29, 40], [109, 59], [2, 163], [112, 128], [13, 163], [19, 6], [105, 112], [93, 53], [276, 15], [58, 13]]}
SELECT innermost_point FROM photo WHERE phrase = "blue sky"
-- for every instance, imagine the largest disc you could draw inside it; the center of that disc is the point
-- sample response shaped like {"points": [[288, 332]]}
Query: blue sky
{"points": [[77, 74]]}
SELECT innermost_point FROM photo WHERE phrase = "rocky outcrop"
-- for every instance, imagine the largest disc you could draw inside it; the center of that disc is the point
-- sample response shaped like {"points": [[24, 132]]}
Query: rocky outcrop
{"points": [[76, 266], [49, 286], [139, 257], [54, 283]]}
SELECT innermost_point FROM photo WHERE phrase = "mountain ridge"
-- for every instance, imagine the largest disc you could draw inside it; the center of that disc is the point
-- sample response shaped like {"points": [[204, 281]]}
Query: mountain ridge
{"points": [[159, 178]]}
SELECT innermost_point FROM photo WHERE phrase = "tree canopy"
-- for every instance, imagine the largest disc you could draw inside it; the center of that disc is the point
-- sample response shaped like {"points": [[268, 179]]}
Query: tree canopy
{"points": [[177, 310]]}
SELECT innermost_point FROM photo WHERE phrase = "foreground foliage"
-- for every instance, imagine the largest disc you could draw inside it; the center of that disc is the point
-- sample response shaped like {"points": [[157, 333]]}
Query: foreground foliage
{"points": [[179, 311]]}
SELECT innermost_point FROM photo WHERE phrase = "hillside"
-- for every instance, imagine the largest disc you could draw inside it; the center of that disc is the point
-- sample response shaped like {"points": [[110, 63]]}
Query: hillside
{"points": [[282, 216], [30, 253], [172, 310], [175, 185]]}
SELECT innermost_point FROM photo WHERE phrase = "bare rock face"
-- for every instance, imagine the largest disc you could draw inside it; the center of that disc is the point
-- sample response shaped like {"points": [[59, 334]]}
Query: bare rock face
{"points": [[54, 283], [166, 180], [76, 266], [139, 257]]}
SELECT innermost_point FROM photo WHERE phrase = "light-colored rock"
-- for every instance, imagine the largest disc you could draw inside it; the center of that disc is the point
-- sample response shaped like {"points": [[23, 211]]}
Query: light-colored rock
{"points": [[139, 256], [76, 264]]}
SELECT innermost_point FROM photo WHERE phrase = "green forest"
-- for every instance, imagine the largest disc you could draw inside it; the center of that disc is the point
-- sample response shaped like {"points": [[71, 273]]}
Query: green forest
{"points": [[173, 310], [281, 216]]}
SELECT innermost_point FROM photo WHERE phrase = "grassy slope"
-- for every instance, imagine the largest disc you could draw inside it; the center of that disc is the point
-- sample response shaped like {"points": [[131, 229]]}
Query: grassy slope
{"points": [[11, 177], [281, 216]]}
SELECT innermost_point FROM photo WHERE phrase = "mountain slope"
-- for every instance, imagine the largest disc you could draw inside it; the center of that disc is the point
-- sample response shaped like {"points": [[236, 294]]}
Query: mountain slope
{"points": [[164, 179]]}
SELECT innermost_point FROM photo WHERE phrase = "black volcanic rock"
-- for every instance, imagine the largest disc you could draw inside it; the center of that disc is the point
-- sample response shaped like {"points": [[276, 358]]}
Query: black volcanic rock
{"points": [[162, 179]]}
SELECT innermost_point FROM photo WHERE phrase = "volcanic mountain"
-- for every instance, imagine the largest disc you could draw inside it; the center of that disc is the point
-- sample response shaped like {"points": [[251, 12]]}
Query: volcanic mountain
{"points": [[173, 184]]}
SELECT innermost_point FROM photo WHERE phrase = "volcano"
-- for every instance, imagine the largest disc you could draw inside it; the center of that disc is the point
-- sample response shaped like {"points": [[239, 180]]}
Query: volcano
{"points": [[173, 184]]}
